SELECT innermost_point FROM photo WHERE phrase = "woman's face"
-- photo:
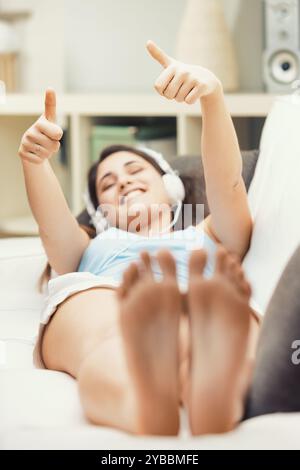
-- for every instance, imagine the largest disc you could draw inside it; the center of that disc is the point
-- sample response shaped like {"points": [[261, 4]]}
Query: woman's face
{"points": [[125, 181]]}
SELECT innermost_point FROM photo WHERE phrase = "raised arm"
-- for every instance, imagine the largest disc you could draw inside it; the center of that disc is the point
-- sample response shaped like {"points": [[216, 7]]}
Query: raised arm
{"points": [[230, 220], [64, 241]]}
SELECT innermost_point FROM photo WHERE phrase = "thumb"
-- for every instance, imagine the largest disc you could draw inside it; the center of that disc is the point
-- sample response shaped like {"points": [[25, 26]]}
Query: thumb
{"points": [[50, 105], [158, 54]]}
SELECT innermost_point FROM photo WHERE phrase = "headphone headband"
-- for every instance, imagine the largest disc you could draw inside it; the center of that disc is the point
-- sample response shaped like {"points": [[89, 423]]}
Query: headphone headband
{"points": [[160, 160]]}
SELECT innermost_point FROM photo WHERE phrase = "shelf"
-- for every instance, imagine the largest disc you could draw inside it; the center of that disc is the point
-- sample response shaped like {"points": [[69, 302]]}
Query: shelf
{"points": [[79, 112], [17, 16], [240, 105]]}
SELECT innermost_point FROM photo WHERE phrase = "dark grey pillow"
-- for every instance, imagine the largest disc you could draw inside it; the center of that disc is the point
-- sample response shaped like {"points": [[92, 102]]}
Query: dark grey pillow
{"points": [[192, 168]]}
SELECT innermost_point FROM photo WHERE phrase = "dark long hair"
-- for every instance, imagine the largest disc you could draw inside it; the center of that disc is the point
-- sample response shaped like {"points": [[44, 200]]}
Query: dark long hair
{"points": [[84, 218]]}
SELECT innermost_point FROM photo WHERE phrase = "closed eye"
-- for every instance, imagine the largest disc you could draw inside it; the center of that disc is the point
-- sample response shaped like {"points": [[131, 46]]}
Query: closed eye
{"points": [[137, 170], [108, 187]]}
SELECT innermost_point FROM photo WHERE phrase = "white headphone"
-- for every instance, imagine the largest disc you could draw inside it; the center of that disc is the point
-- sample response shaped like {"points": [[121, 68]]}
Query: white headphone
{"points": [[173, 184]]}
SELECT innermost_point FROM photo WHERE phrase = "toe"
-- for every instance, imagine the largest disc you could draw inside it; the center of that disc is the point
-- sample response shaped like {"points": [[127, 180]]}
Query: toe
{"points": [[133, 275], [221, 260], [232, 270], [245, 285], [246, 289], [197, 263], [130, 276], [146, 264], [122, 289], [167, 264], [235, 274]]}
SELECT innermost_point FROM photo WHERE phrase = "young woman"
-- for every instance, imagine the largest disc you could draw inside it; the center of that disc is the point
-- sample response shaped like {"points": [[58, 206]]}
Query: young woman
{"points": [[138, 347]]}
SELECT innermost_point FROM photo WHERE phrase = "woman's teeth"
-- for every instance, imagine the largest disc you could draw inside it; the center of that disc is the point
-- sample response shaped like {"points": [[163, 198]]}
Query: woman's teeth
{"points": [[130, 195]]}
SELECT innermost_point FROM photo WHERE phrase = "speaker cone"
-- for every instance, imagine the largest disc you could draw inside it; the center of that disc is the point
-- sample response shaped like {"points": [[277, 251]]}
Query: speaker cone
{"points": [[284, 67]]}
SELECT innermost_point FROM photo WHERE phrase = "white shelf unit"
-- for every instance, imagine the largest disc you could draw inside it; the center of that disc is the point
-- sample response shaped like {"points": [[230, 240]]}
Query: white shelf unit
{"points": [[79, 112]]}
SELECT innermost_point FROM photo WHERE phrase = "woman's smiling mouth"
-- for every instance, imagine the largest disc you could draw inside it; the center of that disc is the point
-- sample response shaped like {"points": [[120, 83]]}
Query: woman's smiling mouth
{"points": [[131, 194]]}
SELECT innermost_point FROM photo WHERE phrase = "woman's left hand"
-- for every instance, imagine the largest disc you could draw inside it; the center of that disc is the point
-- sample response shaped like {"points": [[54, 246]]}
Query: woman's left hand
{"points": [[182, 82]]}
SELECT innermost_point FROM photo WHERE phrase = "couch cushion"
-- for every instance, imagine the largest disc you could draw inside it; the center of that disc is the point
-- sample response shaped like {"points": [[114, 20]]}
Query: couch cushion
{"points": [[39, 398], [22, 261], [42, 410]]}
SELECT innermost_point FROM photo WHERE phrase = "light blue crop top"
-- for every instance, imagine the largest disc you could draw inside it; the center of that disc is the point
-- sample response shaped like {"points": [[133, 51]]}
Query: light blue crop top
{"points": [[111, 252]]}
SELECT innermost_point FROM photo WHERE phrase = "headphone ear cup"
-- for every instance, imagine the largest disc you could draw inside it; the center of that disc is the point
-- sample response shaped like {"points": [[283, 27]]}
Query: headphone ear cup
{"points": [[174, 187]]}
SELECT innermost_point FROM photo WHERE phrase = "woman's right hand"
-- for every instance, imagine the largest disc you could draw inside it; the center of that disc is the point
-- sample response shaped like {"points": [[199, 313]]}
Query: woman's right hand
{"points": [[42, 140]]}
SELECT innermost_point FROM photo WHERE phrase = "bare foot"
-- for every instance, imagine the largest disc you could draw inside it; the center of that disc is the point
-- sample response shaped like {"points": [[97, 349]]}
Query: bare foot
{"points": [[149, 318], [219, 325]]}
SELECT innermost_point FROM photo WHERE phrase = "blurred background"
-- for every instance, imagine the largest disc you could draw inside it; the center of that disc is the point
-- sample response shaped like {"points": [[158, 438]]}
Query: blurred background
{"points": [[93, 53], [99, 46]]}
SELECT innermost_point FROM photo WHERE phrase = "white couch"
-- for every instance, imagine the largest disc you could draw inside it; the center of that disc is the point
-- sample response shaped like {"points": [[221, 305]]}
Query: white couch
{"points": [[40, 409]]}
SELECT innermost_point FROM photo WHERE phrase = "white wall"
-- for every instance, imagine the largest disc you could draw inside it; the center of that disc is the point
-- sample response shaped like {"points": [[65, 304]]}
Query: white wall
{"points": [[245, 18], [105, 41], [43, 46], [101, 42]]}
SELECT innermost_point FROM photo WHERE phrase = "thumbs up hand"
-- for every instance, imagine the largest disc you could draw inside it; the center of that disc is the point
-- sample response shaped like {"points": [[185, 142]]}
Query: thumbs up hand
{"points": [[41, 140], [182, 82]]}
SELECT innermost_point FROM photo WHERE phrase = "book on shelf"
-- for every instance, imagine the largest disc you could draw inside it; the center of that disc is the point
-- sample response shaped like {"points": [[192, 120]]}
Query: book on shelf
{"points": [[161, 138], [104, 136]]}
